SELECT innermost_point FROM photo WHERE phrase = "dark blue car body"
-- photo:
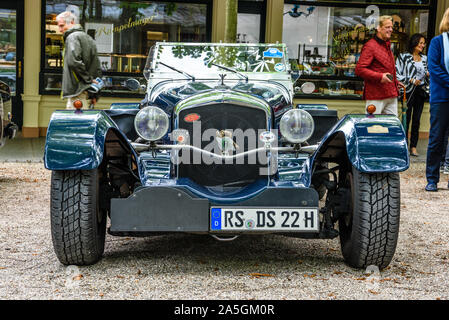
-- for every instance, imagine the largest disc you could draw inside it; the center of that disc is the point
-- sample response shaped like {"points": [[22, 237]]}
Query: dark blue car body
{"points": [[149, 194]]}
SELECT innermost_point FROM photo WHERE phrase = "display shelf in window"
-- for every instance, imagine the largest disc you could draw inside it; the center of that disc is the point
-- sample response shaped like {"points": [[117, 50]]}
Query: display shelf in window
{"points": [[332, 67], [114, 84], [331, 89], [130, 63], [53, 50]]}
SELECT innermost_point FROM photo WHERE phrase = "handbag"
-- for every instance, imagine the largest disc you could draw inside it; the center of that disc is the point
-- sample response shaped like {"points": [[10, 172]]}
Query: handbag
{"points": [[421, 91]]}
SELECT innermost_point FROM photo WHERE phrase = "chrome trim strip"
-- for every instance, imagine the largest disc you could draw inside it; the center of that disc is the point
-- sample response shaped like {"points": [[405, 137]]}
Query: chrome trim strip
{"points": [[227, 96], [223, 96], [140, 147]]}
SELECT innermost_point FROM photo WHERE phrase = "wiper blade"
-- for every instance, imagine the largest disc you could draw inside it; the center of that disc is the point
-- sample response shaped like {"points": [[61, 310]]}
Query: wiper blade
{"points": [[232, 70], [177, 70]]}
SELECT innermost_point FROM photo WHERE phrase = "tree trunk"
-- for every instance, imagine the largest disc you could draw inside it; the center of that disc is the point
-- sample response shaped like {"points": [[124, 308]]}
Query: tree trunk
{"points": [[231, 21]]}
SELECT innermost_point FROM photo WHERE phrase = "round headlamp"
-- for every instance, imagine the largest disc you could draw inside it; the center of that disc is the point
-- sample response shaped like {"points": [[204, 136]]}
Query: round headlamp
{"points": [[151, 123], [297, 125]]}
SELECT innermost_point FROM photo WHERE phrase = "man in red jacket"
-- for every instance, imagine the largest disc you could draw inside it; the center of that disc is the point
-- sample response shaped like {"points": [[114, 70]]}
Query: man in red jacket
{"points": [[377, 67]]}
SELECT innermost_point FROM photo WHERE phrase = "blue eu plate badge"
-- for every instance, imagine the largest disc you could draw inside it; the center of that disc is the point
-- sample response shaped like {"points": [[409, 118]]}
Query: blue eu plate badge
{"points": [[215, 219]]}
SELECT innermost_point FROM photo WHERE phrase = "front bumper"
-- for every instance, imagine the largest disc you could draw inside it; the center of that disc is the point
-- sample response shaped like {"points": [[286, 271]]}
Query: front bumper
{"points": [[177, 209]]}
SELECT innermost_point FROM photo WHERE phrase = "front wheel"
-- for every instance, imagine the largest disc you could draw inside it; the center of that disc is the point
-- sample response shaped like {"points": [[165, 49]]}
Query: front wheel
{"points": [[369, 231], [78, 225]]}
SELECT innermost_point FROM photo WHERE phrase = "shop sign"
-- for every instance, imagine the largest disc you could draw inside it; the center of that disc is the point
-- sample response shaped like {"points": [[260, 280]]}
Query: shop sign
{"points": [[129, 25]]}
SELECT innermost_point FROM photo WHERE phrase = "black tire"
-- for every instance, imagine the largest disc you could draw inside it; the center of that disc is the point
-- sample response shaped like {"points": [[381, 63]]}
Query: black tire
{"points": [[369, 232], [78, 226]]}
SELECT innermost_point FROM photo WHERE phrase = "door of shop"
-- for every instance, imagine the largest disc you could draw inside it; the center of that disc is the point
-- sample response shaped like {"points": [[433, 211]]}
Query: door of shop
{"points": [[11, 53]]}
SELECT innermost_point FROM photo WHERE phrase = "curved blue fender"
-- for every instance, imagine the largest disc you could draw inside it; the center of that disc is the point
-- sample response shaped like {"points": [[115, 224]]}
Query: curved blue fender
{"points": [[373, 143], [76, 139]]}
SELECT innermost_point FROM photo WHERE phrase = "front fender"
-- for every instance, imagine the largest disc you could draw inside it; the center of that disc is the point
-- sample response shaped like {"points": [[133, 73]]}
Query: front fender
{"points": [[371, 143], [76, 140]]}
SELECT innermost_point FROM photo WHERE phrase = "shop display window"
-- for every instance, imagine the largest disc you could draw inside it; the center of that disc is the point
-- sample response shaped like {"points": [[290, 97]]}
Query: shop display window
{"points": [[414, 2], [124, 32], [8, 48], [328, 45]]}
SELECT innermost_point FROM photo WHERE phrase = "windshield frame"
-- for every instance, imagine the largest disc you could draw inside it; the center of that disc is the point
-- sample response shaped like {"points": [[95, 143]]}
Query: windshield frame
{"points": [[152, 69]]}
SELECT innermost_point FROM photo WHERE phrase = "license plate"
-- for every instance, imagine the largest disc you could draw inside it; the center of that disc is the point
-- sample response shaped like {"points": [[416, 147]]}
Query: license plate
{"points": [[263, 219]]}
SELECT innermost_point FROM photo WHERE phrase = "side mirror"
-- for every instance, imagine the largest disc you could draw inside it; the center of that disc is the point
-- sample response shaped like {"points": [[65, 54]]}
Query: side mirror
{"points": [[133, 85]]}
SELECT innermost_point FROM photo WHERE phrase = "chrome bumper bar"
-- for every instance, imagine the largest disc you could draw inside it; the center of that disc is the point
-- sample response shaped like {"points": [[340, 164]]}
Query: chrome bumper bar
{"points": [[140, 147]]}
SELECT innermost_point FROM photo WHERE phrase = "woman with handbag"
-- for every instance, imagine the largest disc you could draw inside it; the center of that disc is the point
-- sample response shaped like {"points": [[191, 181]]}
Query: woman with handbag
{"points": [[411, 69]]}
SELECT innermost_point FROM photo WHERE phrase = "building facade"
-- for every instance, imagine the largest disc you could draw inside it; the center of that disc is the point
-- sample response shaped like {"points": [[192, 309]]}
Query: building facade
{"points": [[324, 39]]}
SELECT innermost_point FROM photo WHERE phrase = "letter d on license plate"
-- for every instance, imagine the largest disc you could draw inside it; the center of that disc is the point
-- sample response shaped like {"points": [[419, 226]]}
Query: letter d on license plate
{"points": [[263, 219]]}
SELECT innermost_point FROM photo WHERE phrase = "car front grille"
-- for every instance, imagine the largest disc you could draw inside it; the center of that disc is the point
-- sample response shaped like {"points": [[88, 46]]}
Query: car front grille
{"points": [[219, 117]]}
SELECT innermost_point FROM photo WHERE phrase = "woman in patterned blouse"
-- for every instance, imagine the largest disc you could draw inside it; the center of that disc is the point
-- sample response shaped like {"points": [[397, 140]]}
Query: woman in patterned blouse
{"points": [[411, 69]]}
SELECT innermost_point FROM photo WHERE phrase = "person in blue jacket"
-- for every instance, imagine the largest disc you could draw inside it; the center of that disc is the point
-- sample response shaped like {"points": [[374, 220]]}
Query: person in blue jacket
{"points": [[438, 65]]}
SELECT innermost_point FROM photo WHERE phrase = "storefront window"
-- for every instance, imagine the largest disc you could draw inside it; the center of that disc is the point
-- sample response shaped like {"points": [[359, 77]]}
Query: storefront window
{"points": [[124, 32], [248, 28], [8, 48], [418, 2], [328, 46]]}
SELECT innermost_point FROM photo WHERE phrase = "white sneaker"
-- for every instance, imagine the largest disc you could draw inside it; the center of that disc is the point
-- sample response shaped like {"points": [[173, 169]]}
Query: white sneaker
{"points": [[446, 170]]}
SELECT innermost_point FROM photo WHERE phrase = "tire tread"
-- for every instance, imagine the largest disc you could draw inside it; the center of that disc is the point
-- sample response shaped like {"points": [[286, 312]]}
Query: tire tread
{"points": [[73, 217], [379, 217], [375, 225]]}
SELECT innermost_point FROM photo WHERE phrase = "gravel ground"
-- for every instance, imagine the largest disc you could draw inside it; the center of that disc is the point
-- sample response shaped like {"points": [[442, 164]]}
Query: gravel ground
{"points": [[199, 267]]}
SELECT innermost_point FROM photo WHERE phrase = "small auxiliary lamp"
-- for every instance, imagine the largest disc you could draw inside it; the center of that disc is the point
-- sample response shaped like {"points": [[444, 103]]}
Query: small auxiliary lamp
{"points": [[78, 105], [371, 109]]}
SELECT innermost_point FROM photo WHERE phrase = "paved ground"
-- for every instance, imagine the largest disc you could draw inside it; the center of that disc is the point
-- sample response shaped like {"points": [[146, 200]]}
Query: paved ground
{"points": [[23, 149], [199, 267]]}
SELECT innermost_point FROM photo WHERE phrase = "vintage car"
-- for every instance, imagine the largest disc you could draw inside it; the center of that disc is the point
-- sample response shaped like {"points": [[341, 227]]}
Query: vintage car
{"points": [[217, 147], [8, 129]]}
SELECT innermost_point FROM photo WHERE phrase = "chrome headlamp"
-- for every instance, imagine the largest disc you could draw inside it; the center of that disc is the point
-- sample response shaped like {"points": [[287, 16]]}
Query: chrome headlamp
{"points": [[297, 125], [151, 123]]}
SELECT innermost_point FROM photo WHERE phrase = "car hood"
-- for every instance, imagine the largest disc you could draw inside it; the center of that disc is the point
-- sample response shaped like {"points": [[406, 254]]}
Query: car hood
{"points": [[169, 93]]}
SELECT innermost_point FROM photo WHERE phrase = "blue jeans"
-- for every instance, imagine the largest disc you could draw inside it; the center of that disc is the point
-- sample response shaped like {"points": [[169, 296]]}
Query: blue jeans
{"points": [[445, 159], [439, 121]]}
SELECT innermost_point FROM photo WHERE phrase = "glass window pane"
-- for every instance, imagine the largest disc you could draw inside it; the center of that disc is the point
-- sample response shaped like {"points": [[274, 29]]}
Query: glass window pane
{"points": [[113, 84], [124, 31], [331, 38], [417, 2], [248, 28], [331, 88], [201, 61]]}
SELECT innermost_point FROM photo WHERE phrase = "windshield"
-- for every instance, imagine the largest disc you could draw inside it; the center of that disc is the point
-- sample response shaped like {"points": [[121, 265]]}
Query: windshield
{"points": [[208, 60]]}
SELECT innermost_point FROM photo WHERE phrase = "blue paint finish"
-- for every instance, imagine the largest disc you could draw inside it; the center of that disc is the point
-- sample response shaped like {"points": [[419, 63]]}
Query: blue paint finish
{"points": [[75, 140], [224, 197], [234, 196], [312, 106], [154, 168], [370, 152], [125, 106]]}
